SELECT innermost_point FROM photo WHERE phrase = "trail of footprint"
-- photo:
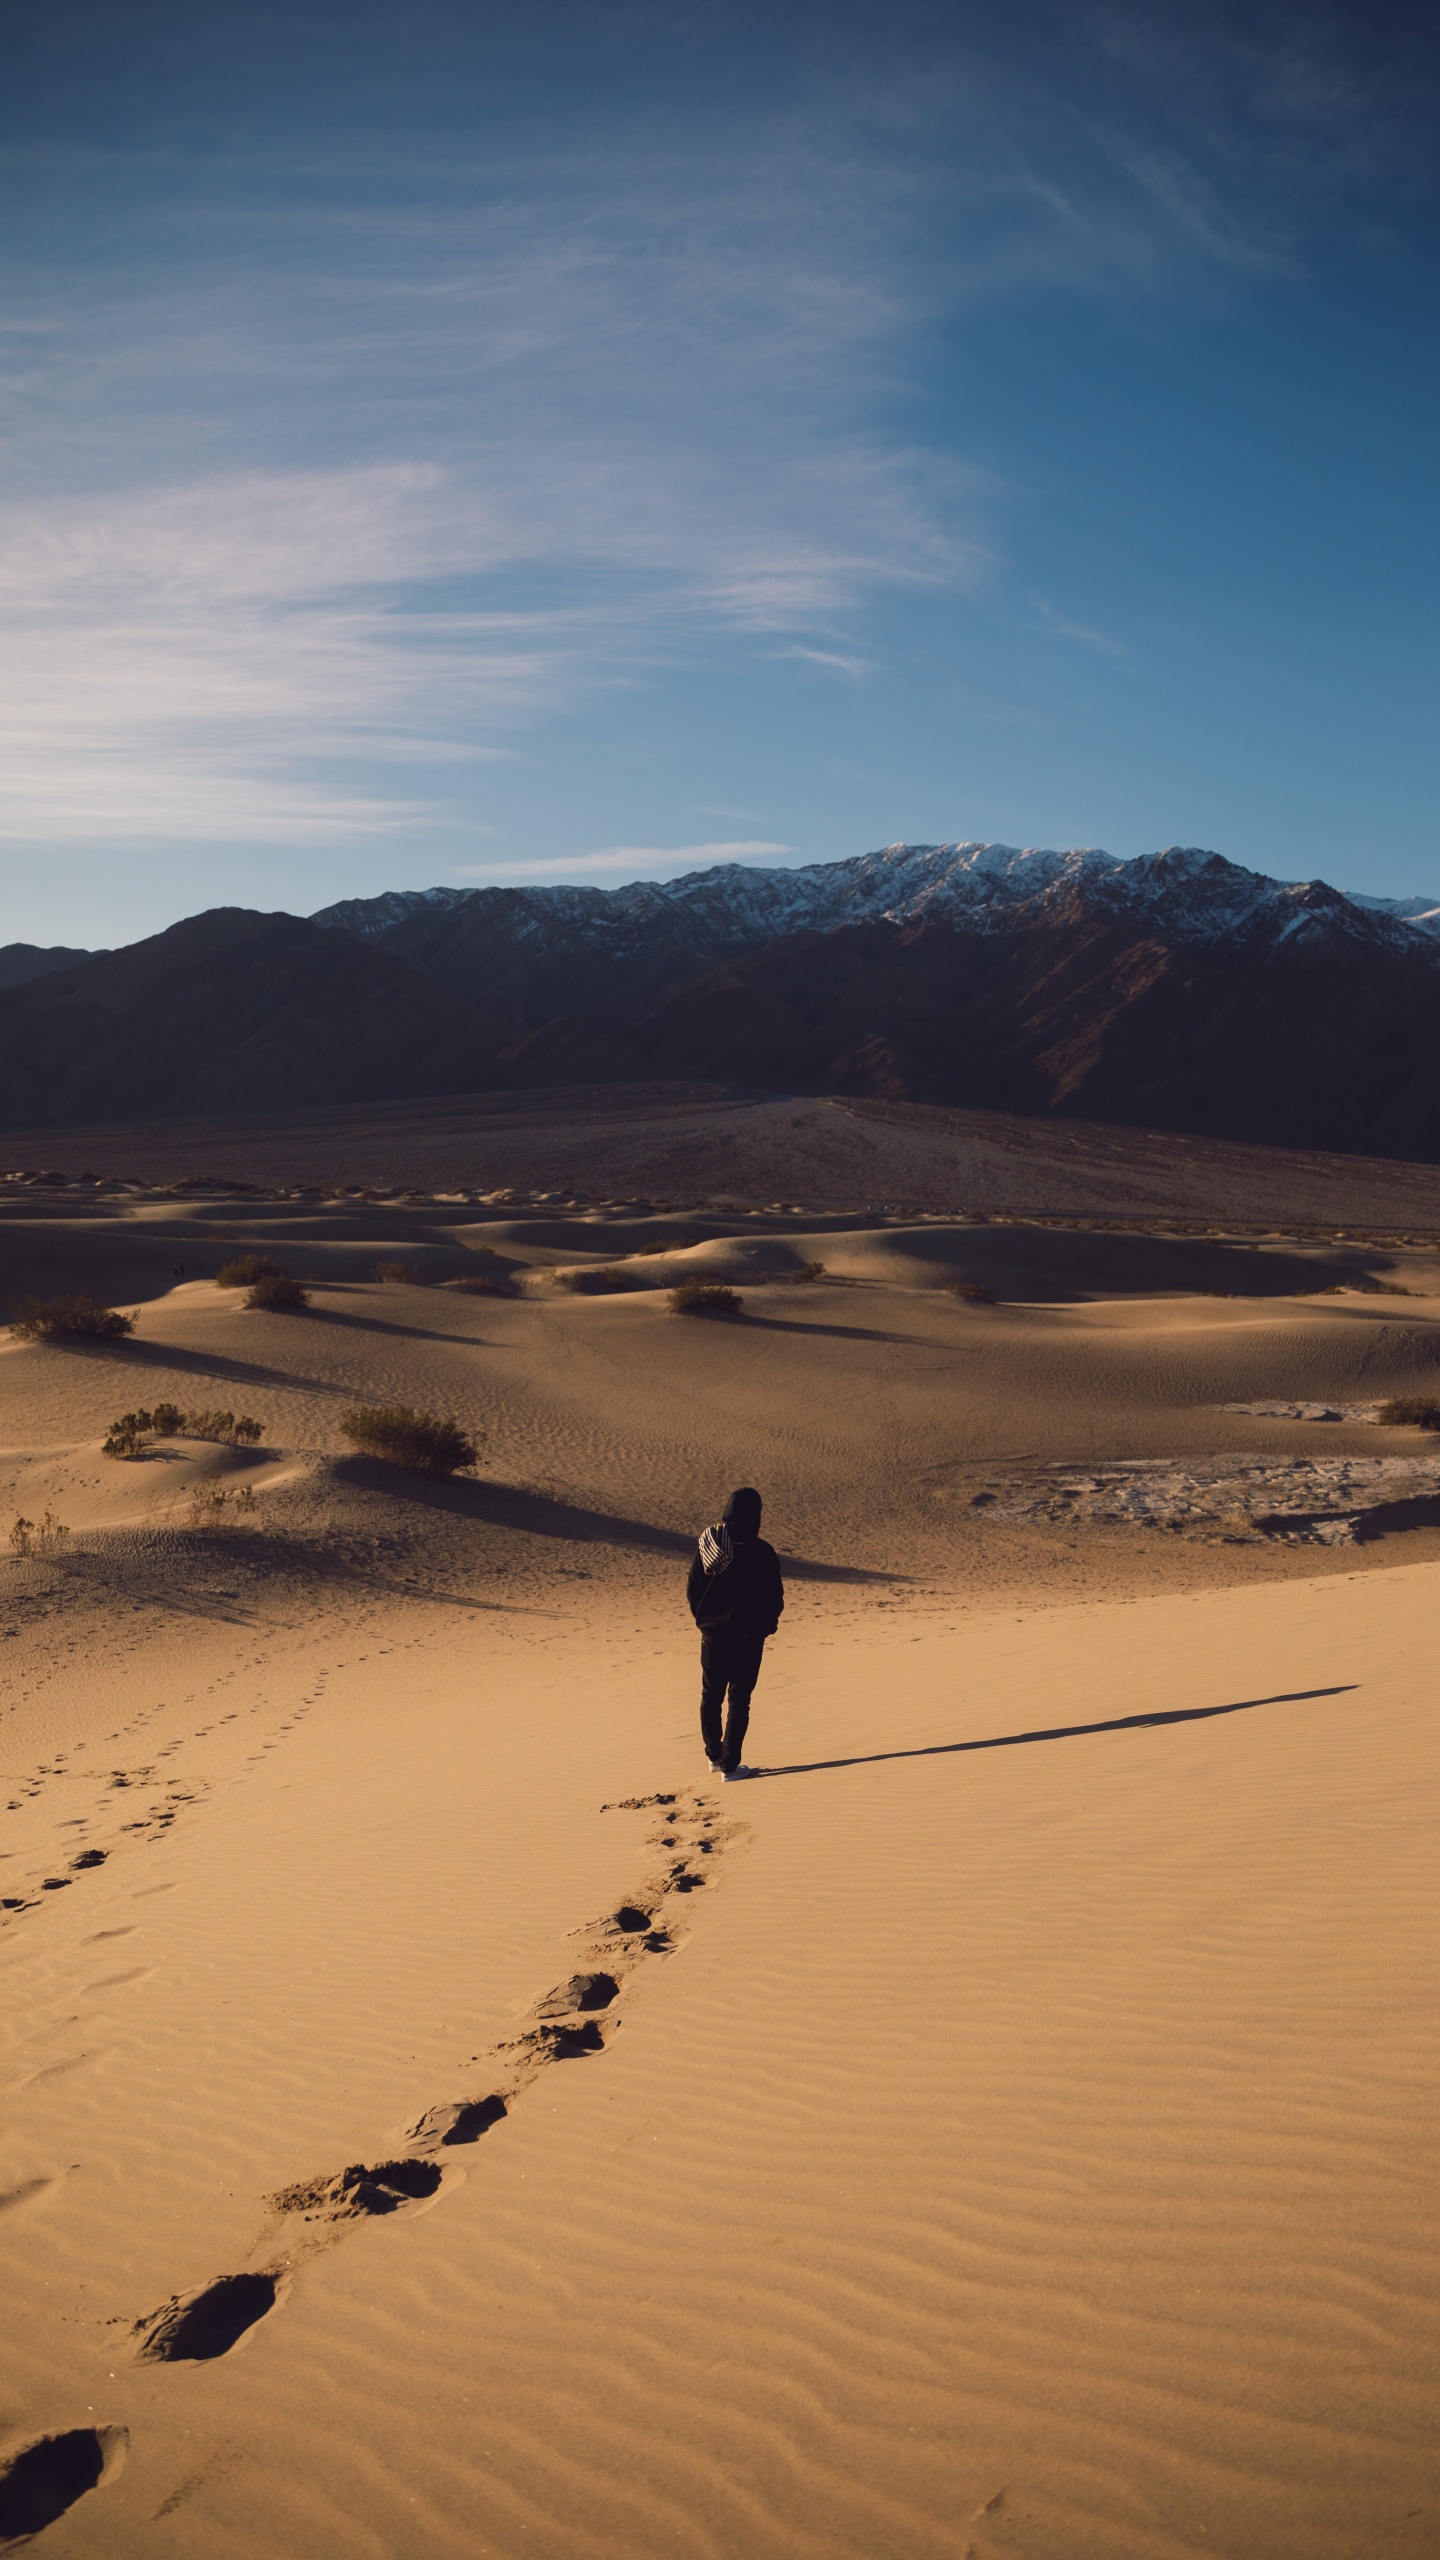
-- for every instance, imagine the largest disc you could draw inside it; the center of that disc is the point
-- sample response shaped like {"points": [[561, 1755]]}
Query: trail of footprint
{"points": [[576, 2018]]}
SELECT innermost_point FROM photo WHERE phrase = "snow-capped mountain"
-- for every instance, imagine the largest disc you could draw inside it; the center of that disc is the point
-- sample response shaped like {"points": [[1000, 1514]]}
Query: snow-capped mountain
{"points": [[1179, 991], [1187, 894]]}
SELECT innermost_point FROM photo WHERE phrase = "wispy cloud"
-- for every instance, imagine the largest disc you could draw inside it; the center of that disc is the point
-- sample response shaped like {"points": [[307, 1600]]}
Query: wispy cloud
{"points": [[623, 857], [1066, 629], [838, 664]]}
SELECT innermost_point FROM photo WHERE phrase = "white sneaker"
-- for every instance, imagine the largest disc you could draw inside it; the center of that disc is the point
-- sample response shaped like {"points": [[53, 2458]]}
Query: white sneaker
{"points": [[714, 1768], [739, 1771]]}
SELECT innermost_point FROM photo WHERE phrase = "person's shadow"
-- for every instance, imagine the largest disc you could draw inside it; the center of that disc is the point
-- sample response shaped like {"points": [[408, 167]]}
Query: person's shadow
{"points": [[1057, 1733]]}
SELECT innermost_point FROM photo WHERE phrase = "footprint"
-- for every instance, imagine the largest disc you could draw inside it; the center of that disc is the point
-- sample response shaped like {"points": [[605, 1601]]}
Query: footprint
{"points": [[194, 2328], [463, 2121], [38, 2483], [358, 2190], [559, 2042], [582, 1991]]}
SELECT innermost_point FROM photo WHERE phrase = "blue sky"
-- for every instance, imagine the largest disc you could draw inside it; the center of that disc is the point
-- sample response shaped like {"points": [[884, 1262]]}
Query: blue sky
{"points": [[579, 441]]}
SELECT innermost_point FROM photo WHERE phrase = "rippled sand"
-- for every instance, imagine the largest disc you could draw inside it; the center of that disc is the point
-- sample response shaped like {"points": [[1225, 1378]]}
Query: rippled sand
{"points": [[438, 2118]]}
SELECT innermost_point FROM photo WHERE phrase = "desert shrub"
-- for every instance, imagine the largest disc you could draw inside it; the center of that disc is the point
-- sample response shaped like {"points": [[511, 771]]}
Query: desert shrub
{"points": [[240, 1429], [131, 1435], [212, 1507], [397, 1271], [45, 1540], [247, 1269], [278, 1292], [704, 1298], [974, 1291], [1422, 1410], [807, 1271], [59, 1319], [425, 1444], [594, 1282], [473, 1285]]}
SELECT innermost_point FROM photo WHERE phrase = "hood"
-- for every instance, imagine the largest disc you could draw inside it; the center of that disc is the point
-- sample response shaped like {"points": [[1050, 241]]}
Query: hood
{"points": [[741, 1514]]}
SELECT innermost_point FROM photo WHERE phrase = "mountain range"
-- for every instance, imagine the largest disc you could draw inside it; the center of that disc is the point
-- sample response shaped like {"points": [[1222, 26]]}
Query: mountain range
{"points": [[1178, 991]]}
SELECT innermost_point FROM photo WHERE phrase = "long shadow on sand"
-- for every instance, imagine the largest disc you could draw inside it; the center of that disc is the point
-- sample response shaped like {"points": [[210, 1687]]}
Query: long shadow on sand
{"points": [[1059, 1732], [199, 1364], [843, 1332], [381, 1324], [511, 1506]]}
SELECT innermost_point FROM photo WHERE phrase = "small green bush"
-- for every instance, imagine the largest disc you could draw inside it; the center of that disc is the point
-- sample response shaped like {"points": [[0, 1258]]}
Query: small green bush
{"points": [[68, 1319], [278, 1292], [704, 1298], [974, 1291], [1421, 1410], [425, 1444]]}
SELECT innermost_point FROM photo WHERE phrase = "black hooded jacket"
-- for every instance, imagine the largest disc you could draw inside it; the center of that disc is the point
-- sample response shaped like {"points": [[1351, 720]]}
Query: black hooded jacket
{"points": [[747, 1595]]}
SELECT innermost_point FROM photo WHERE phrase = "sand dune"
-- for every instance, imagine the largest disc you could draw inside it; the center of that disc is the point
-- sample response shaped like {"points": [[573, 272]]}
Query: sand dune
{"points": [[438, 2118]]}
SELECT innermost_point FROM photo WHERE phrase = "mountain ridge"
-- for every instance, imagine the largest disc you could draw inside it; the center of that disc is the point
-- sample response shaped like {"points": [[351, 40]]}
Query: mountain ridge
{"points": [[1186, 888], [1178, 991]]}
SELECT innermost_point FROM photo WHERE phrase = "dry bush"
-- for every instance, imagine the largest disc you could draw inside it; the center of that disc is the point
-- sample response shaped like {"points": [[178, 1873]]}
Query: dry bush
{"points": [[277, 1292], [807, 1271], [973, 1291], [1364, 1287], [425, 1444], [212, 1507], [241, 1430], [68, 1319], [704, 1298], [397, 1271], [247, 1269], [594, 1283], [473, 1286], [132, 1434], [46, 1540], [1421, 1410]]}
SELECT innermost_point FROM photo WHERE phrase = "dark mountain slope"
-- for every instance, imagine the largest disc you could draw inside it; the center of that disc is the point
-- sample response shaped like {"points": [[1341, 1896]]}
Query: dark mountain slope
{"points": [[231, 1011], [22, 961], [1298, 1029], [1082, 1016]]}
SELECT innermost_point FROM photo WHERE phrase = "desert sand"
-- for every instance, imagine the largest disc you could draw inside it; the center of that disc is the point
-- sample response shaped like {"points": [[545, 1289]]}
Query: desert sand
{"points": [[440, 2118]]}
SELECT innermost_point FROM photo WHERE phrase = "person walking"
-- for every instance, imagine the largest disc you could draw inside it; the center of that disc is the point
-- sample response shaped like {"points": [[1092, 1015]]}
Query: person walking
{"points": [[736, 1596]]}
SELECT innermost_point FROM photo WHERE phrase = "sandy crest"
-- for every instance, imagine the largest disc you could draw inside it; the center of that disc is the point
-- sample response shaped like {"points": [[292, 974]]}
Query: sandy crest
{"points": [[1012, 2130]]}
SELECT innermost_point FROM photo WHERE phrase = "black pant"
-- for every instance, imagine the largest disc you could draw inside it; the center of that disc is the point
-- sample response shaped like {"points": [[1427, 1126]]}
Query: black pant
{"points": [[729, 1659]]}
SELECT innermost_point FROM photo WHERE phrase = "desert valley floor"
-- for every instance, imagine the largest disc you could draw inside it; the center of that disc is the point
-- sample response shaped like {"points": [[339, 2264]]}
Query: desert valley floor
{"points": [[439, 2118]]}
